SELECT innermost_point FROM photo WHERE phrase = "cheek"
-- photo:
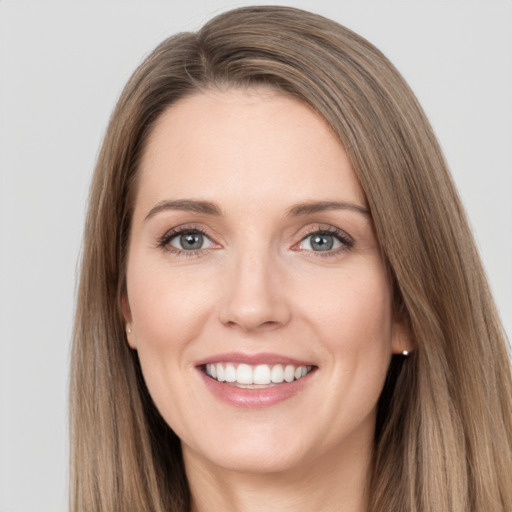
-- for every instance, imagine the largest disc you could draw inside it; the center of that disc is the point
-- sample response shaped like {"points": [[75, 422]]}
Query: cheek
{"points": [[169, 310], [351, 319], [352, 309], [166, 304]]}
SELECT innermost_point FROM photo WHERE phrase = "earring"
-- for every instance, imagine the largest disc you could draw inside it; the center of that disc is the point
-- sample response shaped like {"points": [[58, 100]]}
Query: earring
{"points": [[128, 337], [405, 353]]}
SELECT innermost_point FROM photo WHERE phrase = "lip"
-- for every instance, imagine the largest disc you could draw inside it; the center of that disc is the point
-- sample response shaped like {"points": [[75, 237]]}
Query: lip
{"points": [[258, 398], [252, 359]]}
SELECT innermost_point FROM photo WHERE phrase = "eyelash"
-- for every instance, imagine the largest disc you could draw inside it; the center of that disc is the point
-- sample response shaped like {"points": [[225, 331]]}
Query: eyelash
{"points": [[346, 241], [165, 240]]}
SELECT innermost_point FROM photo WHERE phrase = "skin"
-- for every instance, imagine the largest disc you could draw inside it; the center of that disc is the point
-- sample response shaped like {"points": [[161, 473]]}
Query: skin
{"points": [[258, 286]]}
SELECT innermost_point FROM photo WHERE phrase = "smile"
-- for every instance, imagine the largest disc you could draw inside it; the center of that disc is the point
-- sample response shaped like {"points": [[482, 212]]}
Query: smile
{"points": [[255, 376], [253, 381]]}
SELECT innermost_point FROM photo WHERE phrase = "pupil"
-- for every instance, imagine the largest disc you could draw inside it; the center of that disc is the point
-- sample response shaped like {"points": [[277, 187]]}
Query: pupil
{"points": [[322, 242], [191, 240]]}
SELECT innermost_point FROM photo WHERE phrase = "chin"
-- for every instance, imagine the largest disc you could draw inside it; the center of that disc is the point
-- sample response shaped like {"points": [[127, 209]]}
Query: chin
{"points": [[255, 456]]}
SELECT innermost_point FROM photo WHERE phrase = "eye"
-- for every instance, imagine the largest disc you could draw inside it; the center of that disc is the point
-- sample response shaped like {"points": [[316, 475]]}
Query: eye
{"points": [[326, 241], [186, 241], [320, 242], [191, 241]]}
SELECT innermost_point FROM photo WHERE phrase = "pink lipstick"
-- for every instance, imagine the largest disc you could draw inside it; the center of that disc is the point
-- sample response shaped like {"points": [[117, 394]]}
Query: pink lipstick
{"points": [[254, 380]]}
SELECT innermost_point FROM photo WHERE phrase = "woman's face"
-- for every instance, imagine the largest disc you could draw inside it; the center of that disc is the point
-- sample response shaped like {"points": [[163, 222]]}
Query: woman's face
{"points": [[256, 294]]}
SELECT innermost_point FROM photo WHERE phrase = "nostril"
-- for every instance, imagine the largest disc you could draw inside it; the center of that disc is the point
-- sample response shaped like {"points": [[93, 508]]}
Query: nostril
{"points": [[248, 326], [270, 324]]}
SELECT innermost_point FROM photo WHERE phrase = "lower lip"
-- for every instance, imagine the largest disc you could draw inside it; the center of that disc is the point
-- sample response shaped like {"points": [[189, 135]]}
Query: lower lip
{"points": [[246, 398]]}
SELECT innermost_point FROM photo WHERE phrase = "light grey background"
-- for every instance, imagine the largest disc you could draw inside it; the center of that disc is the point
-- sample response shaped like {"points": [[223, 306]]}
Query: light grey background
{"points": [[62, 66]]}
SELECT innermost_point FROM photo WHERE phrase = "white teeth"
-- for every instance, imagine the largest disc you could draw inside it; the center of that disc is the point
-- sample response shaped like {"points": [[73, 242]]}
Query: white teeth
{"points": [[230, 373], [244, 374], [277, 374], [212, 370], [289, 373], [262, 374]]}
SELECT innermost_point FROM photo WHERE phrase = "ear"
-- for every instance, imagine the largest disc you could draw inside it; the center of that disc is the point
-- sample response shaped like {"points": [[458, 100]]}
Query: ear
{"points": [[127, 317], [402, 340]]}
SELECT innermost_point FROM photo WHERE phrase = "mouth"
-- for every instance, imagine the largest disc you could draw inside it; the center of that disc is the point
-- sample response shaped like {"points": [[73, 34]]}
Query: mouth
{"points": [[253, 381], [259, 376]]}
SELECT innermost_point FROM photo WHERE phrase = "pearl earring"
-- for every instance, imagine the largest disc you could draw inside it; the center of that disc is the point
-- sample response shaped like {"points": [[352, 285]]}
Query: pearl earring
{"points": [[405, 353], [129, 330]]}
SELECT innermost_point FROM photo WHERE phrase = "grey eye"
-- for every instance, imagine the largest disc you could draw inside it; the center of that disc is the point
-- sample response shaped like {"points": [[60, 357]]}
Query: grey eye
{"points": [[190, 241], [321, 242]]}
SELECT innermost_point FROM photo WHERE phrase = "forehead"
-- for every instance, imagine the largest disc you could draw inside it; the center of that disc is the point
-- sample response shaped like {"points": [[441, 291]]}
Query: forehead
{"points": [[252, 146]]}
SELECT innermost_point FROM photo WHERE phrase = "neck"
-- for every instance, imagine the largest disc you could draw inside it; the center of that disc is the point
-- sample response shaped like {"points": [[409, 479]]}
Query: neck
{"points": [[329, 482]]}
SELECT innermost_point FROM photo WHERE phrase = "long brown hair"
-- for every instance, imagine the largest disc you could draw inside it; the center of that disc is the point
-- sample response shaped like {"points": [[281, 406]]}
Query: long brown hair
{"points": [[444, 431]]}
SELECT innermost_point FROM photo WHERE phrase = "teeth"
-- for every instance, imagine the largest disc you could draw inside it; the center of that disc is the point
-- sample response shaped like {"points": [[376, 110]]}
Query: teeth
{"points": [[277, 374], [261, 374], [244, 374], [289, 373], [230, 373]]}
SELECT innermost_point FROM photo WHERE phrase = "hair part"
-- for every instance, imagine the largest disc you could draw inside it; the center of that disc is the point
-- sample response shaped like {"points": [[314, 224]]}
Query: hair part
{"points": [[444, 430]]}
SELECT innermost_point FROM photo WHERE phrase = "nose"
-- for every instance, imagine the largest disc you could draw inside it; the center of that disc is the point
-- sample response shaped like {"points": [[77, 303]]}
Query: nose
{"points": [[255, 298]]}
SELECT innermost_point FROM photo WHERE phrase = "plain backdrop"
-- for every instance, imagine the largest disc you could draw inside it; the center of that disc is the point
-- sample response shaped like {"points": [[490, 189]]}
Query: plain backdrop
{"points": [[62, 67]]}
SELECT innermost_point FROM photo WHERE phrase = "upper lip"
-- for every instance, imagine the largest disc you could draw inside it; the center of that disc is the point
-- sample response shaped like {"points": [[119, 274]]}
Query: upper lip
{"points": [[253, 359]]}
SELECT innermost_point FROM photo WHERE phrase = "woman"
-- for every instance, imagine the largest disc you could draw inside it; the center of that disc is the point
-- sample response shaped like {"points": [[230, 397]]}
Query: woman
{"points": [[281, 304]]}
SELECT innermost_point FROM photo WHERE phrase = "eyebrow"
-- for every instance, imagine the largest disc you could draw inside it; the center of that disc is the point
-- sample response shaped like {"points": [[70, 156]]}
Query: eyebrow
{"points": [[209, 208], [186, 205], [322, 206]]}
